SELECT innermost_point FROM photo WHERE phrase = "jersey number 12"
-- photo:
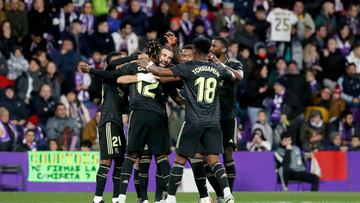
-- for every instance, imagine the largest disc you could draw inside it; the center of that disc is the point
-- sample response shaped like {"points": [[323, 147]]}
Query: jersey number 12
{"points": [[145, 89], [206, 89]]}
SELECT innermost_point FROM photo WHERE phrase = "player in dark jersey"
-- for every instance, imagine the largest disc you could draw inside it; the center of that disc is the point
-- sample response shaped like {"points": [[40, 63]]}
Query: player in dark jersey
{"points": [[219, 47], [202, 114], [112, 140]]}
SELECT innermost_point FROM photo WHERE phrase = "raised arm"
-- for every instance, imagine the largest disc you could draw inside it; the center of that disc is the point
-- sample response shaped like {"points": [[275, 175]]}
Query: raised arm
{"points": [[105, 75], [151, 67], [172, 40], [238, 74]]}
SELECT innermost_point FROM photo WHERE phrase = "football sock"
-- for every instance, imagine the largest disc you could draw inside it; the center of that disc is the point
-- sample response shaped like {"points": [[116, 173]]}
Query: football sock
{"points": [[116, 177], [175, 178], [101, 177], [136, 181], [231, 173], [212, 180], [164, 166], [159, 184], [126, 173], [220, 175], [199, 175], [144, 166]]}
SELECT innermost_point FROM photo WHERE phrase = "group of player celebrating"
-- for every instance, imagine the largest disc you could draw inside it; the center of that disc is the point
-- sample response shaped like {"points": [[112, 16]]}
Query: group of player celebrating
{"points": [[141, 84]]}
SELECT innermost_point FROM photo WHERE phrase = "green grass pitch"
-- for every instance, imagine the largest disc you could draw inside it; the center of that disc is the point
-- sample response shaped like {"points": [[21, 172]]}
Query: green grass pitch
{"points": [[263, 197]]}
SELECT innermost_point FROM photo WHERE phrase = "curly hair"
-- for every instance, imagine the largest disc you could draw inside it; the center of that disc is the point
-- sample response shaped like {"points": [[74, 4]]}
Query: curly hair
{"points": [[152, 48]]}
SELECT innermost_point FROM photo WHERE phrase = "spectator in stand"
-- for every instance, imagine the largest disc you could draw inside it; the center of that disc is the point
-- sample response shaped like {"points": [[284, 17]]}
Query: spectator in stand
{"points": [[75, 109], [17, 16], [67, 59], [204, 16], [33, 43], [102, 40], [345, 125], [263, 124], [258, 142], [323, 98], [312, 60], [43, 57], [289, 157], [304, 20], [314, 141], [352, 18], [85, 146], [336, 143], [125, 38], [247, 37], [2, 12], [7, 40], [355, 144], [15, 107], [350, 86], [53, 78], [314, 85], [8, 132], [261, 25], [332, 63], [354, 57], [314, 125], [137, 18], [65, 17], [82, 82], [79, 39], [4, 70], [261, 54], [90, 131], [258, 90], [29, 82], [327, 17], [113, 21], [296, 85], [198, 30], [280, 128], [192, 7], [233, 51], [28, 143], [151, 34], [33, 124], [318, 39], [344, 39], [244, 57], [87, 18], [54, 145], [275, 103], [17, 64], [39, 18], [292, 51], [186, 27], [337, 104], [63, 128], [226, 17], [43, 105], [161, 19]]}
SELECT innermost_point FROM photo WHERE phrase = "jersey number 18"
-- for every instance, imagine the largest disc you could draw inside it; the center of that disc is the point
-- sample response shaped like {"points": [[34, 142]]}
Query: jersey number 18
{"points": [[206, 89]]}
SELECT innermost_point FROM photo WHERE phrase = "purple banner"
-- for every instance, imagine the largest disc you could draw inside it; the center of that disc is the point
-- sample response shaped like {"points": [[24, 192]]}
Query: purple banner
{"points": [[255, 172]]}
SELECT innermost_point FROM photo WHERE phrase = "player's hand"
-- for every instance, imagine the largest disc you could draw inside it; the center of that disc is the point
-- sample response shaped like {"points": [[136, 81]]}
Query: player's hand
{"points": [[84, 67], [171, 38], [211, 57], [143, 56], [142, 63], [147, 77]]}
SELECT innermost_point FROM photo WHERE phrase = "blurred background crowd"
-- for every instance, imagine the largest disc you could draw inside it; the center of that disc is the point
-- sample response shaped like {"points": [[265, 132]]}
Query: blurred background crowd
{"points": [[309, 87]]}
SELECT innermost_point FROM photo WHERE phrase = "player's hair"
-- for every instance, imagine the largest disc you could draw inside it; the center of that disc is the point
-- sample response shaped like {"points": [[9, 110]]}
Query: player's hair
{"points": [[167, 48], [108, 60], [152, 48], [223, 41], [189, 46], [202, 45]]}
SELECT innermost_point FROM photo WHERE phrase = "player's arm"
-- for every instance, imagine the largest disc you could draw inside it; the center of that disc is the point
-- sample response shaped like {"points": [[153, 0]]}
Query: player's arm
{"points": [[124, 60], [169, 79], [239, 74], [176, 97], [172, 40], [105, 75], [130, 79], [151, 67]]}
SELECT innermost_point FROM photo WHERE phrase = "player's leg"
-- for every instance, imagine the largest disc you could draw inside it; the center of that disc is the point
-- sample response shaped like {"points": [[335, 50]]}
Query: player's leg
{"points": [[118, 162], [200, 177], [228, 128], [135, 145], [212, 180], [136, 180], [209, 140], [162, 176], [101, 178], [144, 166], [175, 178]]}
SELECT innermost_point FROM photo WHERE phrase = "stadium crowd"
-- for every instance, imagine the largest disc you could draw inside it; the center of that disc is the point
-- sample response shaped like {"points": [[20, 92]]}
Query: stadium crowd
{"points": [[309, 87]]}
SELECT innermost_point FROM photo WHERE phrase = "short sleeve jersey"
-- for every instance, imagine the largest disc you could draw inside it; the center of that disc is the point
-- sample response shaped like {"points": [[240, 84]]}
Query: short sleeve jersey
{"points": [[281, 22], [201, 83], [227, 91], [146, 96]]}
